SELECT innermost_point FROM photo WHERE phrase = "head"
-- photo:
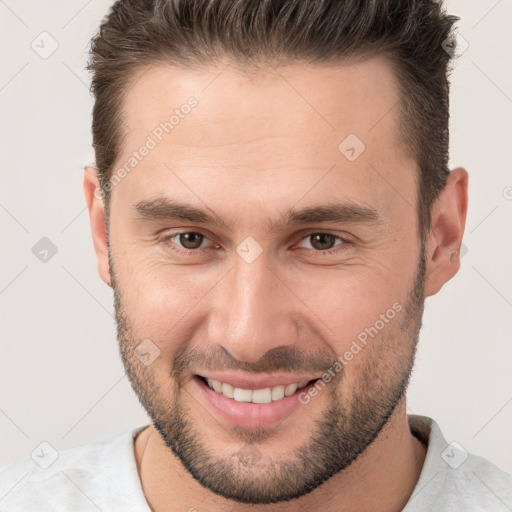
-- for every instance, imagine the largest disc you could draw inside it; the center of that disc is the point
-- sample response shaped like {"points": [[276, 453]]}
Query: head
{"points": [[271, 201]]}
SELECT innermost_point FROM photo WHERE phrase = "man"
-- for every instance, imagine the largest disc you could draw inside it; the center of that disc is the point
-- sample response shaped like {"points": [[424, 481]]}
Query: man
{"points": [[271, 206]]}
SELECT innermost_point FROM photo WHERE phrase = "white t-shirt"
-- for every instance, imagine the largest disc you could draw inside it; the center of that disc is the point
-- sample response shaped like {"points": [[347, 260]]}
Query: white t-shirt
{"points": [[102, 475]]}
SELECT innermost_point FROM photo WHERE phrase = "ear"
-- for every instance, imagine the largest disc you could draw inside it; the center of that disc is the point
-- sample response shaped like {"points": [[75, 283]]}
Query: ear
{"points": [[448, 223], [94, 200]]}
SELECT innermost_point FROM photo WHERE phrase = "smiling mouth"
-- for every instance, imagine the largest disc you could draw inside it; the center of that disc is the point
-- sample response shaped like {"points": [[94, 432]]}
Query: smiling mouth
{"points": [[258, 396]]}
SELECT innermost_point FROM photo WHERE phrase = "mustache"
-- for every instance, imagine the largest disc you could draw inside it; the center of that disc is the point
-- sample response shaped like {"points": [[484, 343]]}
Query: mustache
{"points": [[276, 360]]}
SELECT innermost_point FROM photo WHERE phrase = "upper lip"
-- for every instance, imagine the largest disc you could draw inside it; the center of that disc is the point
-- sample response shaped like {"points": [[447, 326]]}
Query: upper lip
{"points": [[256, 381]]}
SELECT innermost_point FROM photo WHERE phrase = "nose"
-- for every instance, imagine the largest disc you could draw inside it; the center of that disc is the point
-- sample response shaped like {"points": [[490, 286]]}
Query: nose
{"points": [[253, 312]]}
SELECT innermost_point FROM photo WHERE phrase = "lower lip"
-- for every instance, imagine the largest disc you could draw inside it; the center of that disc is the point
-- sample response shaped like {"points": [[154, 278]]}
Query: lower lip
{"points": [[247, 414]]}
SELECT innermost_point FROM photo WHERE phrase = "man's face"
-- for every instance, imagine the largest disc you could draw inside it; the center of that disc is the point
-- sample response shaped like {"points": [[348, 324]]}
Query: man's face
{"points": [[256, 296]]}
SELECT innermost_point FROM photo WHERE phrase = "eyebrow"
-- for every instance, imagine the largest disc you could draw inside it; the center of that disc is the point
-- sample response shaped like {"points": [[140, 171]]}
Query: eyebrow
{"points": [[171, 210]]}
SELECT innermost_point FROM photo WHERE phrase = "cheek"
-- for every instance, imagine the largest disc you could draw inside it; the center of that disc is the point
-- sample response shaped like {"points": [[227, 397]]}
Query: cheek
{"points": [[348, 304], [163, 302]]}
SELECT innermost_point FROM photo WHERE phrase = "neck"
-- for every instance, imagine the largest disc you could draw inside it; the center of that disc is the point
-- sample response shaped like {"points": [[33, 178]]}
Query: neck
{"points": [[382, 478]]}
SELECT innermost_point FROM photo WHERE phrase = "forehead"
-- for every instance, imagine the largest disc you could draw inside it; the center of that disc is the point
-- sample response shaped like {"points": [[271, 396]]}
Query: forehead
{"points": [[278, 100], [267, 129]]}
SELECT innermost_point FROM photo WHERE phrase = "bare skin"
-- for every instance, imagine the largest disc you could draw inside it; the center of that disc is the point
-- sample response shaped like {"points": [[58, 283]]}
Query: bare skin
{"points": [[251, 149]]}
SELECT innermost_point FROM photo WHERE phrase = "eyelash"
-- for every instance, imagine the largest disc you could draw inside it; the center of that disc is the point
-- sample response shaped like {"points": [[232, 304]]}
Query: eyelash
{"points": [[166, 240]]}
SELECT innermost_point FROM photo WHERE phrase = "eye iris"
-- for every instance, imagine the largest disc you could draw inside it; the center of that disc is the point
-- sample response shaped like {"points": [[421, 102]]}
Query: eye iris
{"points": [[322, 241], [191, 240]]}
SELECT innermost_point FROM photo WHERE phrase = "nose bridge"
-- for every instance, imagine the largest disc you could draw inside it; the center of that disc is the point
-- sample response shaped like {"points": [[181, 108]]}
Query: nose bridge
{"points": [[254, 320]]}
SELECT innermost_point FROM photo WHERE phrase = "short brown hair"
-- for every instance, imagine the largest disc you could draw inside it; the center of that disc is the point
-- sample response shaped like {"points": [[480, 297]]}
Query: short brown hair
{"points": [[410, 33]]}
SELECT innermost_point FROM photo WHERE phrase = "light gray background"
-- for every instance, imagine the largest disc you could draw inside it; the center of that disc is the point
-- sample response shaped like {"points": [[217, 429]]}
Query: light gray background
{"points": [[61, 379]]}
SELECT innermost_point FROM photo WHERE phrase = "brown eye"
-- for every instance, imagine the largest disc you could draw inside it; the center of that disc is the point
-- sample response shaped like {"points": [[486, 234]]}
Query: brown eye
{"points": [[190, 240], [322, 241]]}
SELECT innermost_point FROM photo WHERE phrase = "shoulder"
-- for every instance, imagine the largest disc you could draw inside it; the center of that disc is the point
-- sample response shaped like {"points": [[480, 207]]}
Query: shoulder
{"points": [[476, 485], [453, 479], [81, 476], [480, 481]]}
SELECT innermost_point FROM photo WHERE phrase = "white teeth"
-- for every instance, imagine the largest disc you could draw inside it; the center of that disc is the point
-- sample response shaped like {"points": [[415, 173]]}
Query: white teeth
{"points": [[227, 390], [290, 389], [262, 396], [242, 395], [278, 393], [257, 396]]}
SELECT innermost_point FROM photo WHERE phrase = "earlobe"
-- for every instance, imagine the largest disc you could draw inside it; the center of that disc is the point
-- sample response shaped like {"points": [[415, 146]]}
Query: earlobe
{"points": [[97, 219], [448, 223]]}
